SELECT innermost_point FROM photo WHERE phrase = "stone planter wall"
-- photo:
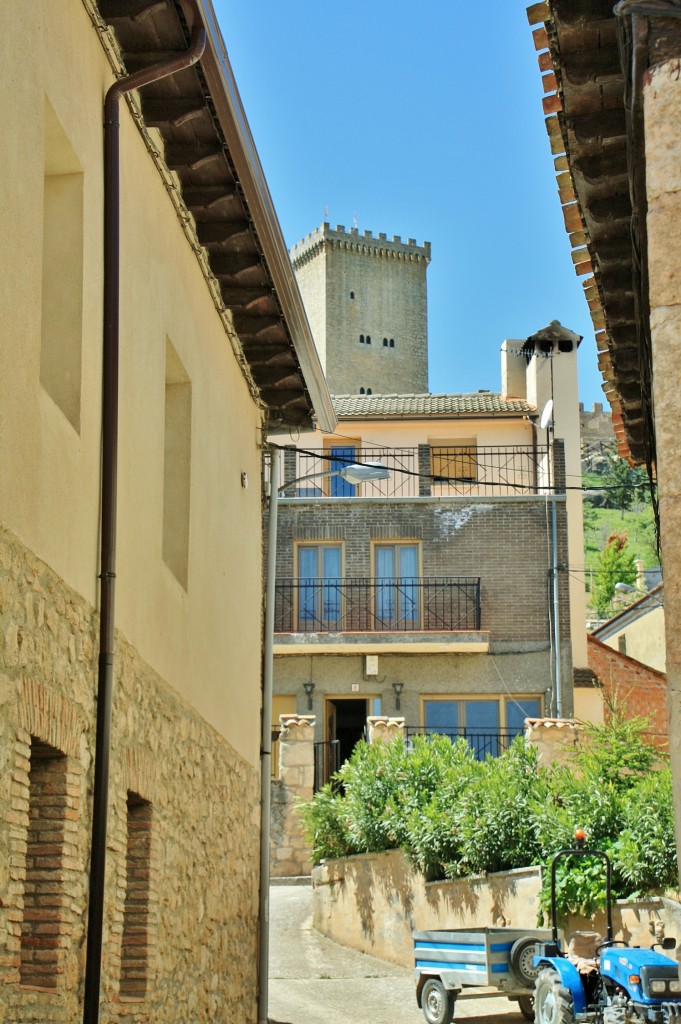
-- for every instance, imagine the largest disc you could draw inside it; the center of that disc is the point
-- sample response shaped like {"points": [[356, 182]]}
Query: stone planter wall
{"points": [[373, 902]]}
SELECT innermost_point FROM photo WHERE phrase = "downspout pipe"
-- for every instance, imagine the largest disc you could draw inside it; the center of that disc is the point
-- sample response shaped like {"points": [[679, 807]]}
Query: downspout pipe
{"points": [[108, 499], [266, 740]]}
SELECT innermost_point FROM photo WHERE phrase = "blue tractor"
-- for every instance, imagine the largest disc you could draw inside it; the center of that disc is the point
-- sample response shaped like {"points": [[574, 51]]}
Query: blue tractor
{"points": [[625, 985]]}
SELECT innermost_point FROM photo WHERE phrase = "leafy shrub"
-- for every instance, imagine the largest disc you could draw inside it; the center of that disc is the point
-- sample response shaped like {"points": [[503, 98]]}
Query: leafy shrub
{"points": [[455, 816]]}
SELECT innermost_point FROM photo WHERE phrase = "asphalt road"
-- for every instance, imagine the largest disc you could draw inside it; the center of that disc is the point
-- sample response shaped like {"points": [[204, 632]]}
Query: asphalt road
{"points": [[316, 981]]}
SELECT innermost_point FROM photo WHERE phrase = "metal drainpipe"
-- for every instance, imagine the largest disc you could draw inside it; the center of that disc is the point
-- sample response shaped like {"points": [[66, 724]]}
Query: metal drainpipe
{"points": [[197, 45], [266, 741]]}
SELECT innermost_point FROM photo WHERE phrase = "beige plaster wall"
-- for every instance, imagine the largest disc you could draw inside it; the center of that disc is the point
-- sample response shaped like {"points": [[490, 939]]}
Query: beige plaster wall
{"points": [[205, 640], [662, 113], [645, 639], [409, 433], [373, 902]]}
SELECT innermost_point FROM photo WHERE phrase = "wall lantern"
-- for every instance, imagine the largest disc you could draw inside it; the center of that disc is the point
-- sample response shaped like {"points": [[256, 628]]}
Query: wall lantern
{"points": [[309, 690]]}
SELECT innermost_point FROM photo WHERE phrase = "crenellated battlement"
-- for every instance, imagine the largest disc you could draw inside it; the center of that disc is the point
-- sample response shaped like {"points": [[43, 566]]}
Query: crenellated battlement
{"points": [[373, 245]]}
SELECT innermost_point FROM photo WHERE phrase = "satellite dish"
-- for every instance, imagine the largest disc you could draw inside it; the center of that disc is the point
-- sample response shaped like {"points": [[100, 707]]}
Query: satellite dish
{"points": [[546, 415]]}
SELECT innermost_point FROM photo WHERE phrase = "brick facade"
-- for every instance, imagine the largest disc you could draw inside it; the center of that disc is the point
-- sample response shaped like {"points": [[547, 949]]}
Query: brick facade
{"points": [[506, 542], [642, 690]]}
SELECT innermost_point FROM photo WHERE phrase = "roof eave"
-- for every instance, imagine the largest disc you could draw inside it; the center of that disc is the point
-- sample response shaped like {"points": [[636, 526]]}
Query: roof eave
{"points": [[232, 117]]}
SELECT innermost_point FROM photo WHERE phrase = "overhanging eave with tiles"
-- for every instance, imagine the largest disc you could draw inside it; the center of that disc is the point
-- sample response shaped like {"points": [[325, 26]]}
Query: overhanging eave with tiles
{"points": [[208, 145]]}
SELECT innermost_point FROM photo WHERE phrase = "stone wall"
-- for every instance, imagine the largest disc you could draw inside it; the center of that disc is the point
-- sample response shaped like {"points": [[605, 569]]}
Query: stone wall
{"points": [[289, 850], [662, 109], [373, 902], [201, 848], [360, 286]]}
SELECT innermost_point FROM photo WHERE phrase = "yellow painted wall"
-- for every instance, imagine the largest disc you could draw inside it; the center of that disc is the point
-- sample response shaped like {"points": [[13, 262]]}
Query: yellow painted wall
{"points": [[205, 641], [644, 639]]}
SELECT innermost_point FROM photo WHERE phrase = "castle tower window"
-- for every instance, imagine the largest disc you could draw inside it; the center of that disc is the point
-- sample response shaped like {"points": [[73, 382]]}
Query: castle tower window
{"points": [[368, 339], [361, 339], [369, 391], [352, 295], [385, 343], [392, 343], [361, 391]]}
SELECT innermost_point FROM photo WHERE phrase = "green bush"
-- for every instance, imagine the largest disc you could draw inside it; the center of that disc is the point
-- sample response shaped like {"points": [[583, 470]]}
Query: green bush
{"points": [[456, 816]]}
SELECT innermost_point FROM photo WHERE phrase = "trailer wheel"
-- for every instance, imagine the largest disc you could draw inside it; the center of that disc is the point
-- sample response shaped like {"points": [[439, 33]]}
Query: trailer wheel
{"points": [[526, 1005], [520, 959], [437, 1002], [552, 1001]]}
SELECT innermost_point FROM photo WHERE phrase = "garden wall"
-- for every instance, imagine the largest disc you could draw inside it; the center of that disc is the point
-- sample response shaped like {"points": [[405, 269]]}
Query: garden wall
{"points": [[373, 902]]}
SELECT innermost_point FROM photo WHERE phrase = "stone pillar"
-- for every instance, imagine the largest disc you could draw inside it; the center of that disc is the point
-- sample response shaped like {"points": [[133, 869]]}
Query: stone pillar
{"points": [[662, 112], [382, 729], [289, 850], [555, 738]]}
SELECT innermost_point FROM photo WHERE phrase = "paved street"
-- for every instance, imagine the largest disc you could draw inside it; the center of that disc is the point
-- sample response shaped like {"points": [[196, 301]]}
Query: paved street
{"points": [[315, 981]]}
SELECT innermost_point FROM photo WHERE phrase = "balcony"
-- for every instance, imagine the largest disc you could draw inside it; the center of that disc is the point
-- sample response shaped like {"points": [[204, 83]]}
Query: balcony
{"points": [[381, 614], [419, 472], [483, 743]]}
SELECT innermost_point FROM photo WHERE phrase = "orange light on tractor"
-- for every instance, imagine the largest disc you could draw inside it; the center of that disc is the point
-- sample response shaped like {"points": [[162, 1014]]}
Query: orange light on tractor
{"points": [[634, 979]]}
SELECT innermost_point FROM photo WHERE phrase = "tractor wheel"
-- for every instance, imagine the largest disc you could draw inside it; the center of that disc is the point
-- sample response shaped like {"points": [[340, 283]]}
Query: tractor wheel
{"points": [[437, 1002], [526, 1005], [552, 1001]]}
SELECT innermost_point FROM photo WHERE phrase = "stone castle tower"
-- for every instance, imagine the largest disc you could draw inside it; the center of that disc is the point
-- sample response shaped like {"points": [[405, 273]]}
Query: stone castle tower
{"points": [[365, 299]]}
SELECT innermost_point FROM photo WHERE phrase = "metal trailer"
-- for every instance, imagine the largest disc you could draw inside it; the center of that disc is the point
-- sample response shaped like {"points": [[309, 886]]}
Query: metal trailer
{"points": [[472, 964]]}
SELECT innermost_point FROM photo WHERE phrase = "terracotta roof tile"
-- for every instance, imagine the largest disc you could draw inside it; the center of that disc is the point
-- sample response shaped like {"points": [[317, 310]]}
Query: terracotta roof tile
{"points": [[477, 403]]}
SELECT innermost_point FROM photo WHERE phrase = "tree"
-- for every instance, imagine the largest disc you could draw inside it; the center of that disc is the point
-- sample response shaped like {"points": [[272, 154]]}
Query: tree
{"points": [[623, 485], [616, 564]]}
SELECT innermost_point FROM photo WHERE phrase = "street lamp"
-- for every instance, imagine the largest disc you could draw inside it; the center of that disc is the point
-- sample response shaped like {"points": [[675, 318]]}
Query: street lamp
{"points": [[355, 473]]}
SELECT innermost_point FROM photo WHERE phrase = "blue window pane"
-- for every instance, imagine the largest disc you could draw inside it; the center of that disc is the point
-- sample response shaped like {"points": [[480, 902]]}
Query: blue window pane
{"points": [[517, 711], [441, 716], [340, 458], [408, 589], [332, 595], [482, 727]]}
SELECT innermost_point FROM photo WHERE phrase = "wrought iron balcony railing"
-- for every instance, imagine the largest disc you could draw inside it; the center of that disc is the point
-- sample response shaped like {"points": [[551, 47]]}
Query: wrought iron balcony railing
{"points": [[482, 741], [422, 471], [377, 605]]}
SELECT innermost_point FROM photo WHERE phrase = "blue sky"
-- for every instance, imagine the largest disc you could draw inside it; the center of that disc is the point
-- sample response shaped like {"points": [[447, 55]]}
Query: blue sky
{"points": [[426, 122]]}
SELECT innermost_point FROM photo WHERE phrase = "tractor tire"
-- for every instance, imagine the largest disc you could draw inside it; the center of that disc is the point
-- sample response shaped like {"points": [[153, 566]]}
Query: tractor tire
{"points": [[526, 1006], [552, 1001]]}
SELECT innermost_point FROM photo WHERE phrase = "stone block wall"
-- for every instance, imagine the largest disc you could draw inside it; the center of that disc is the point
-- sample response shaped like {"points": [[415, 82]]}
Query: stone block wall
{"points": [[373, 902], [200, 901], [364, 286], [289, 850]]}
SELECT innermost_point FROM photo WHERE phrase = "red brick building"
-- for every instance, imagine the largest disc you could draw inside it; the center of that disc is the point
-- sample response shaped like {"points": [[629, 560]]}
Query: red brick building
{"points": [[641, 689]]}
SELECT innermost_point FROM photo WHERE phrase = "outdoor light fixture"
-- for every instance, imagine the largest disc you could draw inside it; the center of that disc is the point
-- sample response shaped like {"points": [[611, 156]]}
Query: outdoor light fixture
{"points": [[398, 687], [355, 473], [309, 690], [625, 588]]}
